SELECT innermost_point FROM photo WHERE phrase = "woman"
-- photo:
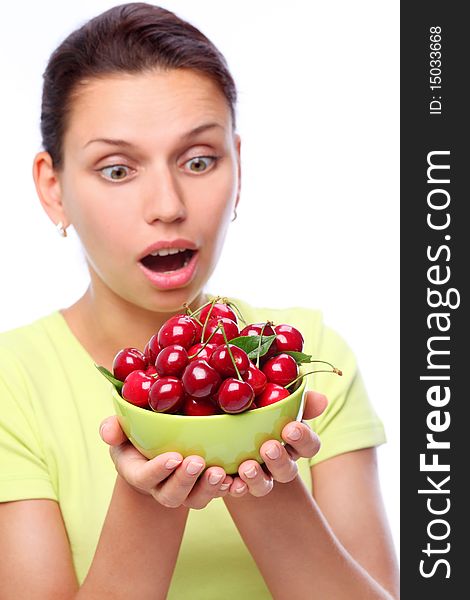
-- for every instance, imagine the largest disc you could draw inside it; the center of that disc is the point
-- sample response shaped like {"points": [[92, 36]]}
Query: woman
{"points": [[140, 153]]}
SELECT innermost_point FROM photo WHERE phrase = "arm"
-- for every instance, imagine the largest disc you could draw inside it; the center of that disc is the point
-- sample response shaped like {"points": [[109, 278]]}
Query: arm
{"points": [[140, 538], [130, 561], [361, 525], [138, 548], [300, 554]]}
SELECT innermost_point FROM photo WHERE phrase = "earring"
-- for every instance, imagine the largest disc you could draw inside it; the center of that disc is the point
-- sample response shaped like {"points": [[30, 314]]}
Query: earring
{"points": [[234, 214], [61, 229]]}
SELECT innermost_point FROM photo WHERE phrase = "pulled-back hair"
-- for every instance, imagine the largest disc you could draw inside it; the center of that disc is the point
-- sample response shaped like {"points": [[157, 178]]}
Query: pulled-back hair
{"points": [[129, 38]]}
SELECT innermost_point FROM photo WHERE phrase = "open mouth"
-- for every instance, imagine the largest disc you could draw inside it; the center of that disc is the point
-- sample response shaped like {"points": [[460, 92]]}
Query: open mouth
{"points": [[168, 260]]}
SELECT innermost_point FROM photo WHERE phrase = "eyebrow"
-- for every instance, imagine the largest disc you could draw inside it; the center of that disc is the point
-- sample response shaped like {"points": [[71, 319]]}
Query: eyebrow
{"points": [[187, 136]]}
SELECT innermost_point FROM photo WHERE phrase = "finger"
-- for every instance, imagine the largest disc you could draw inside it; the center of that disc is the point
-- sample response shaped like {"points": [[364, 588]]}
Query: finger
{"points": [[301, 438], [258, 481], [238, 487], [291, 452], [315, 404], [206, 488], [138, 471], [225, 487], [174, 491], [278, 461], [111, 432]]}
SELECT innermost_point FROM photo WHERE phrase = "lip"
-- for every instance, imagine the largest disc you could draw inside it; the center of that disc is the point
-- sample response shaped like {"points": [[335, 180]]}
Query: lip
{"points": [[178, 243], [176, 279]]}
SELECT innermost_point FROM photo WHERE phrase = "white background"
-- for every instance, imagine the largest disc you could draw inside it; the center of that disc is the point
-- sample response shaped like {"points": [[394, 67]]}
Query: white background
{"points": [[318, 222]]}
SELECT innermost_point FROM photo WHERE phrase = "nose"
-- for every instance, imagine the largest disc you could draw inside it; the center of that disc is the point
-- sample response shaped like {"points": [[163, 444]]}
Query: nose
{"points": [[163, 197]]}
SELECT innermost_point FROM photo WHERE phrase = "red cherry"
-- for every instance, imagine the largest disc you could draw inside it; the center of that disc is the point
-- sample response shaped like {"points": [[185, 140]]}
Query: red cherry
{"points": [[272, 393], [171, 361], [151, 370], [198, 407], [256, 378], [136, 388], [205, 353], [235, 396], [151, 350], [218, 310], [166, 394], [198, 328], [126, 361], [230, 327], [200, 380], [179, 329], [281, 369], [288, 338], [222, 363], [255, 329]]}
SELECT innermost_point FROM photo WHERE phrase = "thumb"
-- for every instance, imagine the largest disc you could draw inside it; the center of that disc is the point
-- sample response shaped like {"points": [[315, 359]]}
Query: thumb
{"points": [[111, 432], [315, 404]]}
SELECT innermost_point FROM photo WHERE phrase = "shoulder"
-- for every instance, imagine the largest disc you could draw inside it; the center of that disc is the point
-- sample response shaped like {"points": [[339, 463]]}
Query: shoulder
{"points": [[22, 336], [298, 316], [24, 346], [25, 382], [319, 337], [349, 422]]}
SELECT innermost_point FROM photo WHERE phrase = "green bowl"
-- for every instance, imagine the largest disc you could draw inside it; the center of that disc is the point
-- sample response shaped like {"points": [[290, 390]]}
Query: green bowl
{"points": [[222, 440]]}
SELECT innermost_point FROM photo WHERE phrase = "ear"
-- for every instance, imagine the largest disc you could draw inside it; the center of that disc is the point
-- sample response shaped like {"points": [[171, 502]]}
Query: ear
{"points": [[237, 141], [48, 188]]}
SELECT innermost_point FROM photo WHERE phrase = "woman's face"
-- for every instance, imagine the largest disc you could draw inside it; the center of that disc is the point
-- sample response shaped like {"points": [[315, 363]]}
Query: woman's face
{"points": [[171, 181]]}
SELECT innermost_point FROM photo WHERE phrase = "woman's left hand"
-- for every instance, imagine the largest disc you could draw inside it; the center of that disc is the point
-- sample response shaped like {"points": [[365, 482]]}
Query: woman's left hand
{"points": [[279, 461]]}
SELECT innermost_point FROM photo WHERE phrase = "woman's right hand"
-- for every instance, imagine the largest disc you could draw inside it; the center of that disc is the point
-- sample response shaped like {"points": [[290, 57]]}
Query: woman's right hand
{"points": [[170, 479]]}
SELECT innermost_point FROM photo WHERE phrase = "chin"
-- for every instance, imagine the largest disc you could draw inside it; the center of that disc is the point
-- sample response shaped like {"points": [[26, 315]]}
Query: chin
{"points": [[171, 301]]}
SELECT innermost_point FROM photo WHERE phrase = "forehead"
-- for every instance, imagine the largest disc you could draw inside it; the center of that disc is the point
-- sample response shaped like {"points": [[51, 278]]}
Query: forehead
{"points": [[136, 106]]}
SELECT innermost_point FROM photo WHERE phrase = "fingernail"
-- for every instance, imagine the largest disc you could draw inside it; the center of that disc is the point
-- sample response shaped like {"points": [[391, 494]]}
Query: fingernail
{"points": [[273, 452], [172, 462], [224, 487], [250, 473], [103, 427], [241, 489], [193, 468], [294, 434], [215, 478]]}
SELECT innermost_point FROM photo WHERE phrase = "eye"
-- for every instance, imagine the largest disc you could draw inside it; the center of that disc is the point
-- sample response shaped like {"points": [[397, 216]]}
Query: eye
{"points": [[199, 164], [116, 172]]}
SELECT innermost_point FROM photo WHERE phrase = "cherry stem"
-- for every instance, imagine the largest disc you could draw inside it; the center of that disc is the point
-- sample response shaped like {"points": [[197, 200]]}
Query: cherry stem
{"points": [[198, 310], [221, 325], [335, 370], [191, 314], [204, 344], [237, 310], [208, 316], [259, 345]]}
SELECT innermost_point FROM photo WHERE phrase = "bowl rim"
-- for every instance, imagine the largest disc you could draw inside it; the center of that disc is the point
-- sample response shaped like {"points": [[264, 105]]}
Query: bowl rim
{"points": [[168, 416]]}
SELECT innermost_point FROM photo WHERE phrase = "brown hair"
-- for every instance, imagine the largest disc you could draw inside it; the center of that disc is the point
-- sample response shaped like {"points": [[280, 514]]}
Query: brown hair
{"points": [[130, 38]]}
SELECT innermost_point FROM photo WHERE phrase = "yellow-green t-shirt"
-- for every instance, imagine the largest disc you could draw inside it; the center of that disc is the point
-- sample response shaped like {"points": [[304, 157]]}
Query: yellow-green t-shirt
{"points": [[52, 400]]}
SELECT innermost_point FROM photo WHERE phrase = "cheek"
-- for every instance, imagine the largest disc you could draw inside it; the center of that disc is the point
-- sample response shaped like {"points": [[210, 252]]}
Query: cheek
{"points": [[216, 216], [217, 200], [100, 228]]}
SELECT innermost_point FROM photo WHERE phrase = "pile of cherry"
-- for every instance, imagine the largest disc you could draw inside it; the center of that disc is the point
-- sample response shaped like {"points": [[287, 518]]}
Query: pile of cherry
{"points": [[200, 363]]}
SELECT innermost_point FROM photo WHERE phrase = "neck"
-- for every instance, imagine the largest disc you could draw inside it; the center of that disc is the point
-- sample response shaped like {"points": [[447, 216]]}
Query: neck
{"points": [[104, 323]]}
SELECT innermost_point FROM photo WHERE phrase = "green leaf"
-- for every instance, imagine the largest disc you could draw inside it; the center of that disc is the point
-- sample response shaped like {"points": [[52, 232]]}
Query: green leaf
{"points": [[299, 357], [250, 343], [110, 377]]}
